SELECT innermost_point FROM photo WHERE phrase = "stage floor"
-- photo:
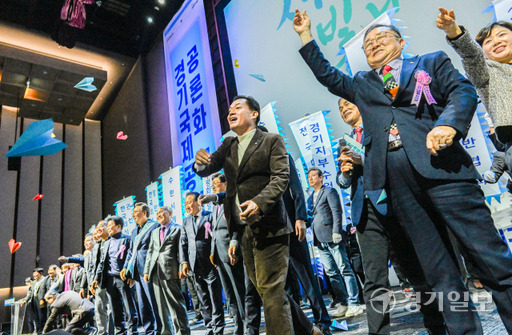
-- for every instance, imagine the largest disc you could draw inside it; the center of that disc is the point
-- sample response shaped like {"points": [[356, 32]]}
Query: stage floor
{"points": [[404, 321]]}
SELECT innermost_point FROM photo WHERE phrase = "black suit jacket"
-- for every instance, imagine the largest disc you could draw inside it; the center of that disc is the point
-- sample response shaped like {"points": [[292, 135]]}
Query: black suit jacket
{"points": [[195, 244], [293, 197], [261, 176], [102, 268], [456, 102]]}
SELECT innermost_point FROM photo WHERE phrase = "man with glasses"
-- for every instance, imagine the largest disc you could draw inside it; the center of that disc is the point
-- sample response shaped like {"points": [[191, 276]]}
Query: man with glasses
{"points": [[415, 110]]}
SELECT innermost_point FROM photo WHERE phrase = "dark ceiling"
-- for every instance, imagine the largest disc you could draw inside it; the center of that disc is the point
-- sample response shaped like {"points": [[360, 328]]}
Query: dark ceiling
{"points": [[120, 26]]}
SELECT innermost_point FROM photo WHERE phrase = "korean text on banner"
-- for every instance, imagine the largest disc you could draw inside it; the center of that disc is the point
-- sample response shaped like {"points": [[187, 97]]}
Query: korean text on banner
{"points": [[191, 89], [124, 209], [171, 193]]}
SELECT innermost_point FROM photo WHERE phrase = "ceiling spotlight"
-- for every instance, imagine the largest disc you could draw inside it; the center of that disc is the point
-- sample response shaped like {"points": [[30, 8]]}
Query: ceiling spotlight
{"points": [[150, 19], [161, 2], [156, 8]]}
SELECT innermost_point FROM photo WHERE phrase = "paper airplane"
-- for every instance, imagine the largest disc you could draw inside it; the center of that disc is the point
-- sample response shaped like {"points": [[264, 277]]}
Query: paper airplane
{"points": [[14, 246], [339, 325], [121, 136], [38, 197], [86, 84], [257, 76], [37, 141]]}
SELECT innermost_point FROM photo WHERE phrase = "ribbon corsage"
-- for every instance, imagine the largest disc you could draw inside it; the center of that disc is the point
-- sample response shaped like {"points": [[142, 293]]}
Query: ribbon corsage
{"points": [[423, 79], [121, 251], [208, 230]]}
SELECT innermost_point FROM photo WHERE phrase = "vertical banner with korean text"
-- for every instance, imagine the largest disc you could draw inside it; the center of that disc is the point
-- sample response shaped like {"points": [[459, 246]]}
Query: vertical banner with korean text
{"points": [[190, 88], [153, 199], [314, 142], [124, 209], [475, 145], [171, 193]]}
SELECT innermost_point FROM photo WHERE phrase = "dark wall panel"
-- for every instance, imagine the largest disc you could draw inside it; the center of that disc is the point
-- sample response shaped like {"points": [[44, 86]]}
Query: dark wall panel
{"points": [[92, 173], [7, 195], [126, 163], [72, 199], [27, 221], [51, 185], [158, 111]]}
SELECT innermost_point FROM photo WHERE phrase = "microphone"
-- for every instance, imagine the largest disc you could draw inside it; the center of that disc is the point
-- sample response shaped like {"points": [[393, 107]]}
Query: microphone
{"points": [[342, 143]]}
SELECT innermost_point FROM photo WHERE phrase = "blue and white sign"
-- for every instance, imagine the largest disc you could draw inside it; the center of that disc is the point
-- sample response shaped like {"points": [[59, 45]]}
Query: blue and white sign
{"points": [[191, 89], [171, 193], [315, 146], [476, 145], [153, 199], [124, 209]]}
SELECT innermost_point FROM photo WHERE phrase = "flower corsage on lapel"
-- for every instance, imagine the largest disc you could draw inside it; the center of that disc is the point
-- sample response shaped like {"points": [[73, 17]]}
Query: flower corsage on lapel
{"points": [[423, 79]]}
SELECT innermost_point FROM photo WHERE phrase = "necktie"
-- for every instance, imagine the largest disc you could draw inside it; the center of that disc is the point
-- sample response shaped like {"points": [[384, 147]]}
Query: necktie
{"points": [[162, 234], [390, 84], [359, 134]]}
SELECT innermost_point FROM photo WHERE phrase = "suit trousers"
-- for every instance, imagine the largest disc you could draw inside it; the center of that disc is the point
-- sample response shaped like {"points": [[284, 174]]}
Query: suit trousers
{"points": [[40, 314], [266, 262], [125, 313], [188, 286], [77, 323], [103, 312], [146, 306], [252, 307], [375, 233], [425, 210], [209, 293], [233, 283], [301, 263], [170, 303]]}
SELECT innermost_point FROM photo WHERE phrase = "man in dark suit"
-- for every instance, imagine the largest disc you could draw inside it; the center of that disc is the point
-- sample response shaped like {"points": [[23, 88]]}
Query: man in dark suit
{"points": [[429, 180], [103, 310], [161, 270], [375, 233], [133, 270], [88, 277], [324, 209], [195, 248], [79, 310], [231, 276], [256, 169], [300, 260], [36, 299], [113, 259]]}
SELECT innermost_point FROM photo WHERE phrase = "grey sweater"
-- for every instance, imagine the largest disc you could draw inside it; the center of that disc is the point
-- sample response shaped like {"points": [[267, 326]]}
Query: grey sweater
{"points": [[492, 80]]}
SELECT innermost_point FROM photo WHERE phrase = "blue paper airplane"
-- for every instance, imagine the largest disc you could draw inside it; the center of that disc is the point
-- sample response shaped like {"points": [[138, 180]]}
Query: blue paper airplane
{"points": [[86, 84], [339, 325], [257, 76], [37, 140]]}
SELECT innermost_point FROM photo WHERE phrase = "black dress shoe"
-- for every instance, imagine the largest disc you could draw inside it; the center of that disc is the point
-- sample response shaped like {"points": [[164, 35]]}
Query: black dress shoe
{"points": [[325, 330]]}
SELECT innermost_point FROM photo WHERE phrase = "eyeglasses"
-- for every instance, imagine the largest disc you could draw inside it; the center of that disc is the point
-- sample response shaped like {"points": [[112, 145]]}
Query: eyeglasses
{"points": [[379, 39]]}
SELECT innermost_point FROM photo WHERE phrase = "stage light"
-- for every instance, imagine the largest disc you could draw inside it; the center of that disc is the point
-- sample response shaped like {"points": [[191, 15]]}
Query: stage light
{"points": [[150, 19], [161, 2]]}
